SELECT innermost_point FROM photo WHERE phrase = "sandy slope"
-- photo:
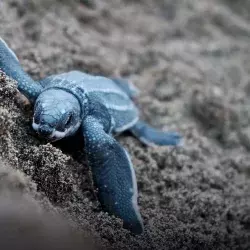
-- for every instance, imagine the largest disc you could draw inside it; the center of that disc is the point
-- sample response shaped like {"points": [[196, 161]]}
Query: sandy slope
{"points": [[191, 61]]}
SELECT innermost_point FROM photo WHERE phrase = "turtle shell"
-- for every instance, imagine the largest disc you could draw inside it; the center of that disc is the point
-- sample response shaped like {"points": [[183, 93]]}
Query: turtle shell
{"points": [[122, 109]]}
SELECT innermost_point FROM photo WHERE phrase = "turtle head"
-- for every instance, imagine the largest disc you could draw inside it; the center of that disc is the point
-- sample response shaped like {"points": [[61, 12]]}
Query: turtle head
{"points": [[57, 114]]}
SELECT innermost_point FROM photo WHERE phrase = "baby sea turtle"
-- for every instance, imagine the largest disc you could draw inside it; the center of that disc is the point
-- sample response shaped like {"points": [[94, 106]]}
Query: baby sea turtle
{"points": [[100, 107]]}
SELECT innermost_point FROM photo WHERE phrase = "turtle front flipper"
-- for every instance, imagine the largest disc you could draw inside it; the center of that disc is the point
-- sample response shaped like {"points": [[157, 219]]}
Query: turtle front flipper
{"points": [[151, 136], [113, 174], [10, 65]]}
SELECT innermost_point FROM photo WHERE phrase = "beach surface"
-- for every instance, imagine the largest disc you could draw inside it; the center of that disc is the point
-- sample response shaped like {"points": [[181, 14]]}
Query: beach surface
{"points": [[191, 61]]}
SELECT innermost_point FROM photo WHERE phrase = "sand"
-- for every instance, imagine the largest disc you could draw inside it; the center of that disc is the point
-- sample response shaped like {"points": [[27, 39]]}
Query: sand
{"points": [[190, 59]]}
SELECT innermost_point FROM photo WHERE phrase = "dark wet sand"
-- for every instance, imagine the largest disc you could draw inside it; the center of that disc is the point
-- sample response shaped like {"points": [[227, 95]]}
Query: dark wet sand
{"points": [[191, 61]]}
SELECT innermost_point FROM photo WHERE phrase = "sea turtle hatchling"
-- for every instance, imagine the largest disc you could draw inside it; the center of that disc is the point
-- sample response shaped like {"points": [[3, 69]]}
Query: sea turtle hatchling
{"points": [[100, 107]]}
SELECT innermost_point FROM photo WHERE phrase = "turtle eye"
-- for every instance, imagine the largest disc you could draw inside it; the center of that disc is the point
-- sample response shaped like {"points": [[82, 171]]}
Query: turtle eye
{"points": [[36, 118], [69, 121], [37, 114]]}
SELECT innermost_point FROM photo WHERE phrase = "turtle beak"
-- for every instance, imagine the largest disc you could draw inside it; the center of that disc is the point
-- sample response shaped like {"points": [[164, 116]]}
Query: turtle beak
{"points": [[45, 131]]}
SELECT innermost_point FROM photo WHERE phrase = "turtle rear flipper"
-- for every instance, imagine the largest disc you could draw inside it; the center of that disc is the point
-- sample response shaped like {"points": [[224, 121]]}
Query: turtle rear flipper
{"points": [[128, 87], [151, 136], [10, 65]]}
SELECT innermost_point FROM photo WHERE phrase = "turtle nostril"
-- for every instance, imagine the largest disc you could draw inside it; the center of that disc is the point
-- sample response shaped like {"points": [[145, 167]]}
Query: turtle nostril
{"points": [[45, 130]]}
